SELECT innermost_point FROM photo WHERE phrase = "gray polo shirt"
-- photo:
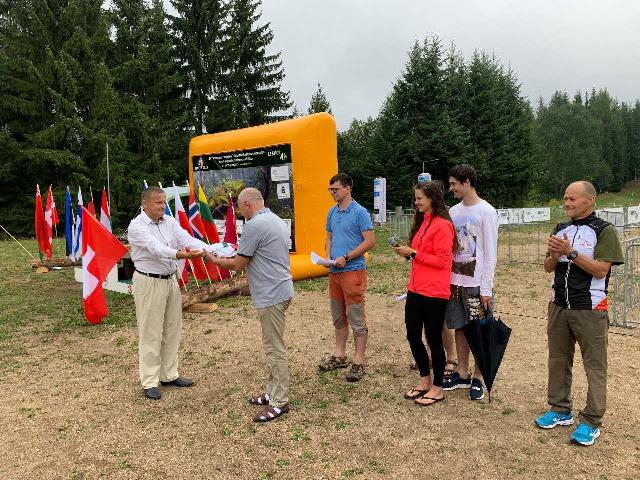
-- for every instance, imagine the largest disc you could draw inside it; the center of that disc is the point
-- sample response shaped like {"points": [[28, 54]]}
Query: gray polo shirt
{"points": [[265, 240]]}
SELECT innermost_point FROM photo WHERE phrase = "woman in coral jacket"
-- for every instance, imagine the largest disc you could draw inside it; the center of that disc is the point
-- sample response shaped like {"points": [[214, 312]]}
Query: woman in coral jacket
{"points": [[432, 242]]}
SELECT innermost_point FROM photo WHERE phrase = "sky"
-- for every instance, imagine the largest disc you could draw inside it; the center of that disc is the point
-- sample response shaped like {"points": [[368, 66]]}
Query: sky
{"points": [[357, 49]]}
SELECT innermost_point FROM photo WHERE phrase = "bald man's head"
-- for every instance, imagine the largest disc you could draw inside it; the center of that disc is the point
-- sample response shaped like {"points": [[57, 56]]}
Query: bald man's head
{"points": [[250, 201], [579, 199], [587, 187]]}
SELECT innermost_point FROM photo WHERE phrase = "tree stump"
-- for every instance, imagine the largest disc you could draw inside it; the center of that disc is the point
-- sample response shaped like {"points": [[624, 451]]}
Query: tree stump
{"points": [[211, 291]]}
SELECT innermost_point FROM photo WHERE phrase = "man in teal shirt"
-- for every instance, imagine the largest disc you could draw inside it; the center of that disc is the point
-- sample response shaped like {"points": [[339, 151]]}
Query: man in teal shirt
{"points": [[349, 236]]}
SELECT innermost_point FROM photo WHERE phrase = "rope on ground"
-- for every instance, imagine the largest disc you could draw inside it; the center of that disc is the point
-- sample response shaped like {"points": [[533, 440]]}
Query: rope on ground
{"points": [[500, 312]]}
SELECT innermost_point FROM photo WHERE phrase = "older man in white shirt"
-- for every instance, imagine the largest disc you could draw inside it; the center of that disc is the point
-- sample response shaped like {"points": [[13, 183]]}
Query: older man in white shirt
{"points": [[157, 242]]}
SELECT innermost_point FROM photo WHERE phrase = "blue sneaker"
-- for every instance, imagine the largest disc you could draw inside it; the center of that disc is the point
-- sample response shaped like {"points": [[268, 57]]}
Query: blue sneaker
{"points": [[455, 381], [584, 434], [476, 392], [553, 419]]}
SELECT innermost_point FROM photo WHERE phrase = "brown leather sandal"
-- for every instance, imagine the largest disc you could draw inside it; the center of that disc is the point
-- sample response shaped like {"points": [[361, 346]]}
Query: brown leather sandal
{"points": [[271, 413]]}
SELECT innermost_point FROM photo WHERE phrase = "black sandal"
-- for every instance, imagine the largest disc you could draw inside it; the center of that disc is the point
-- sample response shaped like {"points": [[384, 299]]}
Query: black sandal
{"points": [[409, 395], [433, 401]]}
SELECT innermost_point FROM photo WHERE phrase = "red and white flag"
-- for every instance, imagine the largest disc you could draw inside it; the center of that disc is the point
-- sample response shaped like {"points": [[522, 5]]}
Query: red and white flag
{"points": [[40, 226], [100, 253], [48, 223], [54, 211], [230, 234], [105, 215]]}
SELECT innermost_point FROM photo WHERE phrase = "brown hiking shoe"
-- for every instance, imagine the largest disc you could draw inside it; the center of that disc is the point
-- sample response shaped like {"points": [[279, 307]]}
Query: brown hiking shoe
{"points": [[332, 363], [356, 373]]}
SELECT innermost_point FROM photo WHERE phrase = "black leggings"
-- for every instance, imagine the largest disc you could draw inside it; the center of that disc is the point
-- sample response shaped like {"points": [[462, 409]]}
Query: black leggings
{"points": [[428, 313]]}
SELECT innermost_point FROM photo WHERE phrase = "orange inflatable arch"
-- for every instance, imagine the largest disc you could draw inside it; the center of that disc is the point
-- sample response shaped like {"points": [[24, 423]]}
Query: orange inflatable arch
{"points": [[290, 162]]}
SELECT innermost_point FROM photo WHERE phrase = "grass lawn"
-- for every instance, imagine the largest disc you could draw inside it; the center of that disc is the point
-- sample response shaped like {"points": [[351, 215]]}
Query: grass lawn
{"points": [[71, 405]]}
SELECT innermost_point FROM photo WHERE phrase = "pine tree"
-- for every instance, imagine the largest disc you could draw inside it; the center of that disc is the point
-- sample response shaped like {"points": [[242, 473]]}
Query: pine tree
{"points": [[56, 95], [569, 146], [154, 124], [499, 123], [319, 102], [252, 92], [200, 33]]}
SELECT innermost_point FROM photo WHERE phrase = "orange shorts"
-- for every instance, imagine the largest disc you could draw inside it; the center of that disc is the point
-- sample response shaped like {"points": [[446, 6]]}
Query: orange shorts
{"points": [[346, 293]]}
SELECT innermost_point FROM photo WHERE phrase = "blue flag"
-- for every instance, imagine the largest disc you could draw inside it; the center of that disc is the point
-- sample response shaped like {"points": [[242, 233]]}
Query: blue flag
{"points": [[68, 221], [76, 253]]}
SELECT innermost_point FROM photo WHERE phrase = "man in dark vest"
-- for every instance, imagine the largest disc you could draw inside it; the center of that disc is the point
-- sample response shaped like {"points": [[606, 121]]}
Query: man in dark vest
{"points": [[580, 254]]}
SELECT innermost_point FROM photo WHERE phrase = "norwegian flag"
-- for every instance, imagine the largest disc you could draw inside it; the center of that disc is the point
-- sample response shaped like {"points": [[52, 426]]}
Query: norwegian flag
{"points": [[180, 215], [195, 220], [199, 230], [100, 252]]}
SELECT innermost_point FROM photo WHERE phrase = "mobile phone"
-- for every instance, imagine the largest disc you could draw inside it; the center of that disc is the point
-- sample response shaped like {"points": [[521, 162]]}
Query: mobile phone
{"points": [[395, 241]]}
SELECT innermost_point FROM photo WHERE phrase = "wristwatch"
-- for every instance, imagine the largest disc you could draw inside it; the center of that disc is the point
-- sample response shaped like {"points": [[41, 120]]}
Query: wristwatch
{"points": [[413, 255], [346, 257], [572, 255]]}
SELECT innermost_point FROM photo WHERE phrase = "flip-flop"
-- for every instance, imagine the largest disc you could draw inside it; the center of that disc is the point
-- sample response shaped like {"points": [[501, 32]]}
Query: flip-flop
{"points": [[408, 396], [435, 400]]}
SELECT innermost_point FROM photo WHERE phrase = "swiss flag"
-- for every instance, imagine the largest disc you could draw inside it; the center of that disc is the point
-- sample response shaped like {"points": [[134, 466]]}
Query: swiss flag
{"points": [[100, 252], [230, 235]]}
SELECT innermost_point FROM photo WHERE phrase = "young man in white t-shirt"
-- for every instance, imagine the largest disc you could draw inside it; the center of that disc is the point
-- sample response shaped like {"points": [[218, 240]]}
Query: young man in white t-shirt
{"points": [[476, 224]]}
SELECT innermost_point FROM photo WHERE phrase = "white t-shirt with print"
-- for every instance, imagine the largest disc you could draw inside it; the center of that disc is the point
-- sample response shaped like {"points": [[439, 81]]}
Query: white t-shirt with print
{"points": [[475, 262]]}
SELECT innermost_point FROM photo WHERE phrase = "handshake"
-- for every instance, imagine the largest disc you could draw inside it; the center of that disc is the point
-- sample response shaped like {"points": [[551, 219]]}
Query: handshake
{"points": [[185, 255]]}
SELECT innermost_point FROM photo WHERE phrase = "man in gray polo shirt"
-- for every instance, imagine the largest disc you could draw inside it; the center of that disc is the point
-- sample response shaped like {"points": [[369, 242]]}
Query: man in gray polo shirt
{"points": [[263, 250]]}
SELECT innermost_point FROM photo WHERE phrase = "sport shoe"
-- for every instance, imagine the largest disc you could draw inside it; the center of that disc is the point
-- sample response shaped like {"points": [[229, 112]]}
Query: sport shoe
{"points": [[552, 419], [476, 392], [332, 363], [455, 381], [584, 434], [356, 372]]}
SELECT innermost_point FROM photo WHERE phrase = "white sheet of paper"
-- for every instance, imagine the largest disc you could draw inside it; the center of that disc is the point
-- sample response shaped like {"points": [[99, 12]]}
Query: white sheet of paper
{"points": [[280, 173], [222, 249], [283, 191], [318, 260]]}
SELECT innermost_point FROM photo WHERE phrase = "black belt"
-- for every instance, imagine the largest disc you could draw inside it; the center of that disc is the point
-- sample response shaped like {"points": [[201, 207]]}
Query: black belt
{"points": [[155, 275]]}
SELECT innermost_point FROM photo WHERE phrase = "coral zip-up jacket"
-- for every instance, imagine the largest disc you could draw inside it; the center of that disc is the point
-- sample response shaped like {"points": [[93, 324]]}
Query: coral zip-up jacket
{"points": [[431, 268]]}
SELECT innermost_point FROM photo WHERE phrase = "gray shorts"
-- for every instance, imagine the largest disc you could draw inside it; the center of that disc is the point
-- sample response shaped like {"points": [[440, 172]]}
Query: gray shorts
{"points": [[463, 305]]}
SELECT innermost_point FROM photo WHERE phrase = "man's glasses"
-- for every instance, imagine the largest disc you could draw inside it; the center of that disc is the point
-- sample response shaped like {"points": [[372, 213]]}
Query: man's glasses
{"points": [[334, 190]]}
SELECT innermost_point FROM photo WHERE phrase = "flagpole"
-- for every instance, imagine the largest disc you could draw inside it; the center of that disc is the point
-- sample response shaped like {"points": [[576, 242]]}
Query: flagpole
{"points": [[108, 186], [28, 252], [194, 272]]}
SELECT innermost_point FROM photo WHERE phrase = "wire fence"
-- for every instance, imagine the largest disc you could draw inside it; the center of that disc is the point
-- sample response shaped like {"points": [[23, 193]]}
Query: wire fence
{"points": [[526, 243]]}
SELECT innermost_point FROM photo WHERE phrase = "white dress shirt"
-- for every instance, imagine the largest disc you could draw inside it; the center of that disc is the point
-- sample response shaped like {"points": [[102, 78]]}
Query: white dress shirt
{"points": [[154, 245]]}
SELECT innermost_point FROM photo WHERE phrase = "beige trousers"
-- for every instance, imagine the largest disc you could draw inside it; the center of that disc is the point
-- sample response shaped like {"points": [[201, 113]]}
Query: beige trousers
{"points": [[159, 315], [589, 328], [273, 325]]}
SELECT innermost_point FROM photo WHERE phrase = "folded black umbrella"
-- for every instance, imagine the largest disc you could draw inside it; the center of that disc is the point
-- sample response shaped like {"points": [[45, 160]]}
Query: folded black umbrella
{"points": [[487, 338]]}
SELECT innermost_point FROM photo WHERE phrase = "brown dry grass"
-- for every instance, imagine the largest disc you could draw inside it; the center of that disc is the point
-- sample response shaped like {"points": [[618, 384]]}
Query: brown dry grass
{"points": [[71, 407]]}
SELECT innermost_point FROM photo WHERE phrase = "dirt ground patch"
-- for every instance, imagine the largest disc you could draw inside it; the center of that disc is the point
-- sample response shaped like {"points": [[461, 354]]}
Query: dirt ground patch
{"points": [[71, 407]]}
